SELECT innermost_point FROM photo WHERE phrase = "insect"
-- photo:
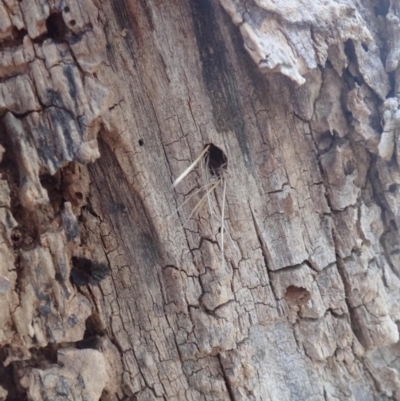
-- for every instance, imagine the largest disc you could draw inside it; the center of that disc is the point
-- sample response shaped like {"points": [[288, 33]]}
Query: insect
{"points": [[214, 164]]}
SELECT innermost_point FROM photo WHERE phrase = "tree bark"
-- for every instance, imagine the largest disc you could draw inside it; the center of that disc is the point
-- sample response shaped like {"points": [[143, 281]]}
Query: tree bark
{"points": [[116, 286]]}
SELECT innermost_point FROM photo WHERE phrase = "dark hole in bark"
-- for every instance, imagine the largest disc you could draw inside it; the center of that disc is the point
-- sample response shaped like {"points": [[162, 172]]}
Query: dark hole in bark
{"points": [[16, 236], [92, 342], [349, 49], [325, 141], [393, 225], [52, 184], [141, 142], [217, 162], [349, 167], [350, 52], [364, 46], [79, 195], [9, 380], [297, 295], [72, 22], [24, 236], [15, 39], [44, 357], [66, 9], [48, 181], [86, 271], [392, 188], [382, 8], [56, 27], [93, 333], [93, 326]]}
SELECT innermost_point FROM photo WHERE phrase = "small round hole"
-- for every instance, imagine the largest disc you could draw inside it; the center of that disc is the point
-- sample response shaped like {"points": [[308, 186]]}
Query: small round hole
{"points": [[72, 22], [392, 188], [66, 9], [141, 142], [364, 46], [297, 295], [349, 167], [16, 236], [217, 161], [325, 141]]}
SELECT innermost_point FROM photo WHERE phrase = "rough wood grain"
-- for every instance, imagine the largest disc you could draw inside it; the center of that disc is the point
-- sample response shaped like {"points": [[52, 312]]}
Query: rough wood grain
{"points": [[104, 104]]}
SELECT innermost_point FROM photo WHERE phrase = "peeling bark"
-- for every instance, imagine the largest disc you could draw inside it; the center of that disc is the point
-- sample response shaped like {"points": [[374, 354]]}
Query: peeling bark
{"points": [[109, 289]]}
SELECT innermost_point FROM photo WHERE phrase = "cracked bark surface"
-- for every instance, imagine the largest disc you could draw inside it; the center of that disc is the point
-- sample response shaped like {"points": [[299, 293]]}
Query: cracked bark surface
{"points": [[108, 292]]}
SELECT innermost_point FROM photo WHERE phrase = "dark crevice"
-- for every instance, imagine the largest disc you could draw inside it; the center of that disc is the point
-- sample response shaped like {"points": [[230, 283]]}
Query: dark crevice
{"points": [[264, 249], [86, 271], [348, 76], [57, 29], [9, 380], [382, 8], [218, 76], [16, 39], [325, 142], [54, 186], [339, 261], [26, 235], [43, 357], [94, 331], [226, 380], [353, 320]]}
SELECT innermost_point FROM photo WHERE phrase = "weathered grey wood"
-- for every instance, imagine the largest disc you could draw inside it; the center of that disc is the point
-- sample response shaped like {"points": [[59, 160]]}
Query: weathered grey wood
{"points": [[104, 104]]}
